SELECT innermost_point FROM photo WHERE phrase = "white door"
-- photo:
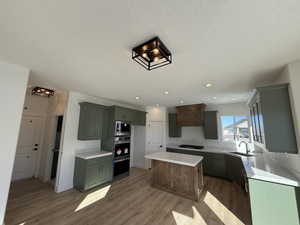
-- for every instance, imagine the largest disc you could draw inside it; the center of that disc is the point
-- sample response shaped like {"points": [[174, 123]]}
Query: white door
{"points": [[27, 148], [155, 138]]}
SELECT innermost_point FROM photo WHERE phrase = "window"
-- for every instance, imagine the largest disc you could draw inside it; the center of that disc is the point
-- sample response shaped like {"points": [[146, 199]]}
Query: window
{"points": [[235, 128]]}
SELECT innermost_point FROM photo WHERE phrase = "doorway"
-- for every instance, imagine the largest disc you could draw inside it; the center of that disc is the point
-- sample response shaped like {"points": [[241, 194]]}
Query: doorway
{"points": [[56, 148]]}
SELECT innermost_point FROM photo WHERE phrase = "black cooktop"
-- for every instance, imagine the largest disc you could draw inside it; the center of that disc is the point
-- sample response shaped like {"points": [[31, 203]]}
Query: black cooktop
{"points": [[192, 146]]}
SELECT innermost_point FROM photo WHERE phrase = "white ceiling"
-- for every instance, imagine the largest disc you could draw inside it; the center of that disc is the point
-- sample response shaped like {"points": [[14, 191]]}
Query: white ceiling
{"points": [[85, 45]]}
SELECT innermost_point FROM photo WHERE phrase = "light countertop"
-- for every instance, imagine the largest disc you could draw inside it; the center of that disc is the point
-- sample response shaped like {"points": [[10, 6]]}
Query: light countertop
{"points": [[177, 158], [205, 149], [281, 168], [93, 154]]}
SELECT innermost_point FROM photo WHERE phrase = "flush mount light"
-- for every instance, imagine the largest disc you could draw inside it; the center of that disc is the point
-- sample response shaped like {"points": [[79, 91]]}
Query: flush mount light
{"points": [[152, 54], [214, 97], [157, 105], [166, 92], [208, 85], [44, 92], [137, 97], [181, 101]]}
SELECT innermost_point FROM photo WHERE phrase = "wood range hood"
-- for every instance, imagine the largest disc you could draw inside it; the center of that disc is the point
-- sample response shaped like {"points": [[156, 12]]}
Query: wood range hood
{"points": [[190, 115]]}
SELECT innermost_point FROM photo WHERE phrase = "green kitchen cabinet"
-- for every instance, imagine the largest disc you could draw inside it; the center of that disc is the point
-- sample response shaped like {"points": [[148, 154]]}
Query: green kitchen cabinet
{"points": [[174, 130], [132, 116], [90, 173], [273, 203], [213, 163], [139, 118], [123, 114], [272, 120], [211, 125], [234, 168], [91, 121]]}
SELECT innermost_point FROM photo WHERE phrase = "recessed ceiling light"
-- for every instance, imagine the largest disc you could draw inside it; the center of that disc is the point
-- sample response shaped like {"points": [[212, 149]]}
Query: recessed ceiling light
{"points": [[137, 97], [208, 85], [166, 92], [181, 101]]}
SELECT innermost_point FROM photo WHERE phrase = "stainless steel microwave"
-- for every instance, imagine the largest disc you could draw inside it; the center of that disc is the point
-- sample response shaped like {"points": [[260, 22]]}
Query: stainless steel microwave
{"points": [[122, 128]]}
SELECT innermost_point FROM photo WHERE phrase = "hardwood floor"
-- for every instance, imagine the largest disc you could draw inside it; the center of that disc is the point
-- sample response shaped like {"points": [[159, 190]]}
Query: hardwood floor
{"points": [[130, 201]]}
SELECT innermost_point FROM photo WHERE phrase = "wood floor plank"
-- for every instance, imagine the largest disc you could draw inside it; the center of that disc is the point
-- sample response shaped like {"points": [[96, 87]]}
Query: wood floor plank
{"points": [[130, 201]]}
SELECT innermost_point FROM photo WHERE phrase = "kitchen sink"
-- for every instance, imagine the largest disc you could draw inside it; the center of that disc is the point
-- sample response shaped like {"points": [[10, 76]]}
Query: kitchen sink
{"points": [[243, 154]]}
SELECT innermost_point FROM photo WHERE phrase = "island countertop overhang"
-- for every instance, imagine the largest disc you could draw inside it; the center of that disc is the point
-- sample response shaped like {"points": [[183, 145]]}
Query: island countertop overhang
{"points": [[176, 158]]}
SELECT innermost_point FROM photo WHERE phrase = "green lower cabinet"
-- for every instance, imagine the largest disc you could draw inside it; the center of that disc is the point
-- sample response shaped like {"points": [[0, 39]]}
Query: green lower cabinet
{"points": [[90, 173], [273, 204], [213, 163], [234, 168]]}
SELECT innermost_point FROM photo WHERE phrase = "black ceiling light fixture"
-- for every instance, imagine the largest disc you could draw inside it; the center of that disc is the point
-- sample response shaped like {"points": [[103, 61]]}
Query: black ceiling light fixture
{"points": [[152, 54], [44, 92]]}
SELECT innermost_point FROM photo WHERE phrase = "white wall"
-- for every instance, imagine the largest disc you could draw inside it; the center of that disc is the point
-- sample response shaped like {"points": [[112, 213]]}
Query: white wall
{"points": [[70, 145], [195, 135], [35, 105], [13, 83]]}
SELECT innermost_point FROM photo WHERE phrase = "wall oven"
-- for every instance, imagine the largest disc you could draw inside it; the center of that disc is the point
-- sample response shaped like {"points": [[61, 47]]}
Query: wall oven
{"points": [[121, 167], [121, 155], [122, 150], [122, 128]]}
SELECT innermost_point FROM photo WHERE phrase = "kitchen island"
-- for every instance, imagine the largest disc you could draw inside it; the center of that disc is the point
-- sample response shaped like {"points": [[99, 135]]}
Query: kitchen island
{"points": [[180, 174]]}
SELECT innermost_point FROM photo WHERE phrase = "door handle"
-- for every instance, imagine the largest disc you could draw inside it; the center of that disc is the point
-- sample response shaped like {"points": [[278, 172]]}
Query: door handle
{"points": [[160, 146]]}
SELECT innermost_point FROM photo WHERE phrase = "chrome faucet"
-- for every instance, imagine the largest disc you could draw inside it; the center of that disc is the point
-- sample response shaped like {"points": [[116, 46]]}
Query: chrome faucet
{"points": [[247, 148]]}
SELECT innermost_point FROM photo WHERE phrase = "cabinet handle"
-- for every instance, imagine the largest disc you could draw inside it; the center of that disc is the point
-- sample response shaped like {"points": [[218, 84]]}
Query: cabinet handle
{"points": [[35, 149]]}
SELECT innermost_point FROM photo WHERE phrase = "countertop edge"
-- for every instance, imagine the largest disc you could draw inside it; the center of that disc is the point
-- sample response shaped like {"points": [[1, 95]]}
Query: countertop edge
{"points": [[203, 150], [174, 161], [97, 155]]}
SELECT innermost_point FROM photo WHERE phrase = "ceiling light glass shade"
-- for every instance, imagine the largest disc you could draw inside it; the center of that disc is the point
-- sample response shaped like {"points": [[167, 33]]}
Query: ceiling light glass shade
{"points": [[152, 54]]}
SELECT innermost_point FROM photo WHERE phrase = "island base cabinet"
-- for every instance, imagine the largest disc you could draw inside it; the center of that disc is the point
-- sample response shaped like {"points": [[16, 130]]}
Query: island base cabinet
{"points": [[182, 180], [272, 203]]}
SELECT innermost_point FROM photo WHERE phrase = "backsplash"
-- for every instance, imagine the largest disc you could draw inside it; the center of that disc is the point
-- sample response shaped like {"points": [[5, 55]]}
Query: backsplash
{"points": [[195, 136], [189, 135]]}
